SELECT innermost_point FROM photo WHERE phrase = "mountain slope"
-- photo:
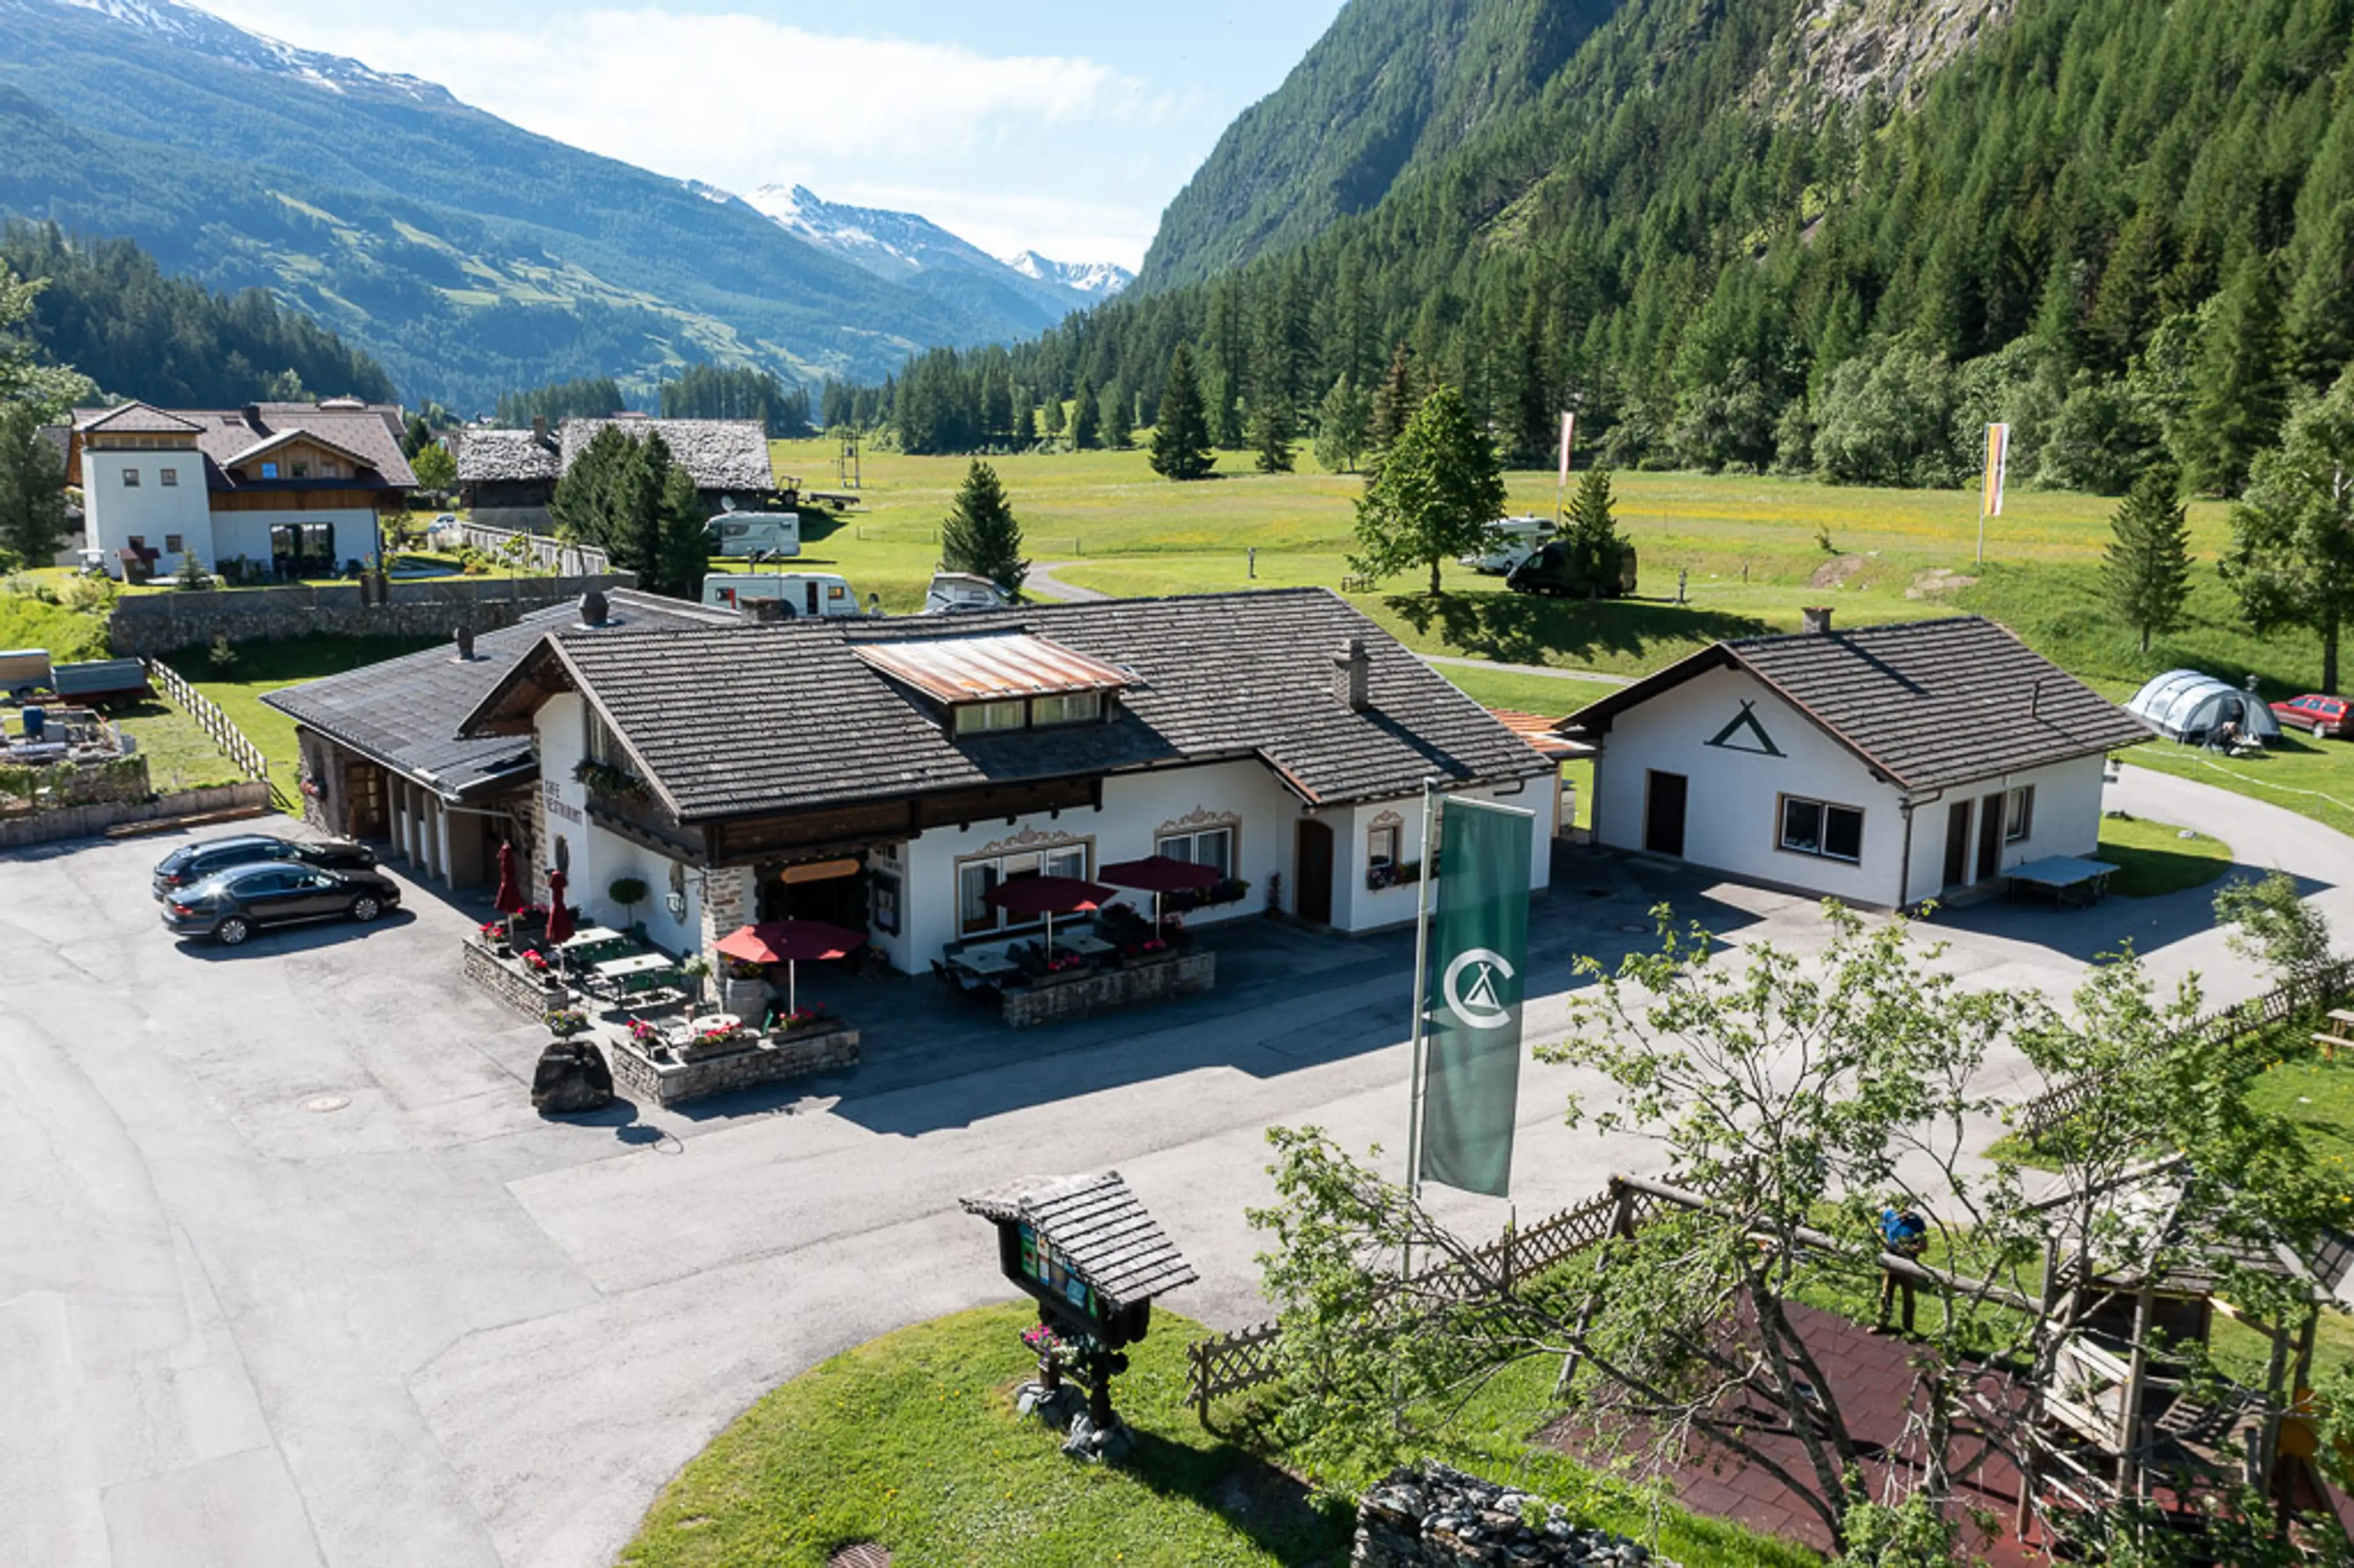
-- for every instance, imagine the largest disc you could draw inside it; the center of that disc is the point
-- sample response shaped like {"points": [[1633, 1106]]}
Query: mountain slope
{"points": [[468, 254], [1093, 279], [906, 249], [1390, 85]]}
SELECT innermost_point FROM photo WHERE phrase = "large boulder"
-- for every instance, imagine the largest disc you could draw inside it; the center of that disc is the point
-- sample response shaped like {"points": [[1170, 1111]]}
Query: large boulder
{"points": [[571, 1077]]}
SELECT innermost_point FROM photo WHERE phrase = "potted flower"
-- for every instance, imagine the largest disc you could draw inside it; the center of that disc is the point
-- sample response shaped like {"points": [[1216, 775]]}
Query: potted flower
{"points": [[649, 1039], [495, 936], [800, 1017], [1050, 1348], [564, 1022]]}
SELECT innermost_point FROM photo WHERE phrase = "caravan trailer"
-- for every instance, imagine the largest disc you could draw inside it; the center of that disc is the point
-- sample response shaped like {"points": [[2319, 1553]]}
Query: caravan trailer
{"points": [[795, 593], [1510, 541], [774, 535]]}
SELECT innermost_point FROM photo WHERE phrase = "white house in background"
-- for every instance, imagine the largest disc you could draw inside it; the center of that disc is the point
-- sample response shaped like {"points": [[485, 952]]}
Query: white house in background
{"points": [[885, 774], [294, 489], [1882, 765]]}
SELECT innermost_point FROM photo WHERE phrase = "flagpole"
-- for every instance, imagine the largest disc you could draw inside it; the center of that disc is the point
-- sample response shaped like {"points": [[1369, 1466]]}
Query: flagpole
{"points": [[1421, 1002]]}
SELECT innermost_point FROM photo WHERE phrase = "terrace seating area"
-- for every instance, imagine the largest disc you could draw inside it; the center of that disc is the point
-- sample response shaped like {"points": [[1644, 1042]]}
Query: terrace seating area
{"points": [[1118, 959]]}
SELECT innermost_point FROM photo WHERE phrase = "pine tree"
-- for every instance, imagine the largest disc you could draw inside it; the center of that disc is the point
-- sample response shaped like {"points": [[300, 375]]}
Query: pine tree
{"points": [[1594, 549], [1272, 426], [685, 541], [1439, 491], [1086, 418], [2292, 559], [1395, 400], [980, 535], [1181, 437], [2243, 386], [2146, 572]]}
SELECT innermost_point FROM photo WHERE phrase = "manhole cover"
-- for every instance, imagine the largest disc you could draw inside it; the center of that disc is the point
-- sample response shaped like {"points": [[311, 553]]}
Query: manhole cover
{"points": [[865, 1554], [324, 1103]]}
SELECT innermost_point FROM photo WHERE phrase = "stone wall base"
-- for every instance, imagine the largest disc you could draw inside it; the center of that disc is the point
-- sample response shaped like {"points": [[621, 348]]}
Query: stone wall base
{"points": [[793, 1056], [1109, 990], [531, 998], [1431, 1516]]}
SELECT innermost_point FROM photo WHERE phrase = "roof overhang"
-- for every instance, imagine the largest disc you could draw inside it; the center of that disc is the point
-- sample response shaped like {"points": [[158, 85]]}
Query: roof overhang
{"points": [[269, 444]]}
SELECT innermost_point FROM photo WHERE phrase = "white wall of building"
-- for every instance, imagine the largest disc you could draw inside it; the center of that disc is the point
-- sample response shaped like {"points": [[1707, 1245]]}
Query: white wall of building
{"points": [[247, 534], [113, 511], [1735, 792], [1358, 908]]}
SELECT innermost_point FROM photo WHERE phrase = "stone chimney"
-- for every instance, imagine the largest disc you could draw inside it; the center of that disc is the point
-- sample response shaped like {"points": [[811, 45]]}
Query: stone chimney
{"points": [[594, 611], [1817, 619], [1352, 675], [464, 636], [539, 429], [252, 412]]}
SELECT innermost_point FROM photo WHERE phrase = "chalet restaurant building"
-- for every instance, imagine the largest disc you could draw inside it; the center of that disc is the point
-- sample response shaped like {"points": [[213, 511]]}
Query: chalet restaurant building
{"points": [[886, 773]]}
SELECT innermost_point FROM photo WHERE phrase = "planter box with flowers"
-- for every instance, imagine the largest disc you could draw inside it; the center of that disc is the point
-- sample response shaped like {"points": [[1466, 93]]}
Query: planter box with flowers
{"points": [[714, 1061], [1227, 890], [534, 990], [1148, 977]]}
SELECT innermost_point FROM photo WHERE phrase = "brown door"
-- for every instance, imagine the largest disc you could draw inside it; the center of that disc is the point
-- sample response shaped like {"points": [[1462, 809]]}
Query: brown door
{"points": [[1989, 837], [1958, 844], [1312, 874], [1663, 813]]}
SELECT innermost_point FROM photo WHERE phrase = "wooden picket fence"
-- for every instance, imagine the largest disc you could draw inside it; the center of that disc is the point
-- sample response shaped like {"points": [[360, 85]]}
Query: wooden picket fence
{"points": [[212, 720], [1229, 1363], [2057, 1106]]}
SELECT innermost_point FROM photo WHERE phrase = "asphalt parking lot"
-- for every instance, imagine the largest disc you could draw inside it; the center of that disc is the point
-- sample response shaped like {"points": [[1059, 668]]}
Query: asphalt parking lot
{"points": [[290, 1272]]}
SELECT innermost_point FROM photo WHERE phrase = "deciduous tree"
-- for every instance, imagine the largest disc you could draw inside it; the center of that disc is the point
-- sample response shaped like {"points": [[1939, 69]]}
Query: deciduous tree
{"points": [[2292, 557], [1343, 426], [1439, 488], [32, 487]]}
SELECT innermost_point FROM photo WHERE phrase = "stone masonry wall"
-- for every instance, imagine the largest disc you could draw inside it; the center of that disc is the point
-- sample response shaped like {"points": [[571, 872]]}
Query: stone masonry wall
{"points": [[529, 997], [1109, 988], [152, 625], [1432, 1516], [795, 1056]]}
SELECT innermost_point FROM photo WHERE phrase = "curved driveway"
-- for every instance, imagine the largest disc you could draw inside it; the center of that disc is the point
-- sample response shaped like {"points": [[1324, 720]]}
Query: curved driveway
{"points": [[290, 1272]]}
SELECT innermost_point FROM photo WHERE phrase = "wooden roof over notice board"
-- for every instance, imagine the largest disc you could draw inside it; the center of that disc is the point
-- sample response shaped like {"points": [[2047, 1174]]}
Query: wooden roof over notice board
{"points": [[1101, 1232]]}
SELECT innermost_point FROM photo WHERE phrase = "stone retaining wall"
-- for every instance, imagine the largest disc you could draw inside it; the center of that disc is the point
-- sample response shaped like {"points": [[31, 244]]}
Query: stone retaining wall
{"points": [[1105, 990], [1432, 1516], [151, 625], [251, 795], [532, 997], [763, 1062]]}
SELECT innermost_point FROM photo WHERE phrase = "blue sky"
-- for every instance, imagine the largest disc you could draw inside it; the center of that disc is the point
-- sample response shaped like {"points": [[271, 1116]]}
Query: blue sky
{"points": [[1056, 127]]}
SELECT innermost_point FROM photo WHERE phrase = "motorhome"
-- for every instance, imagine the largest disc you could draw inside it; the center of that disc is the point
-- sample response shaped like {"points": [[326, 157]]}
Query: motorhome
{"points": [[794, 593], [1510, 541], [954, 591], [741, 534]]}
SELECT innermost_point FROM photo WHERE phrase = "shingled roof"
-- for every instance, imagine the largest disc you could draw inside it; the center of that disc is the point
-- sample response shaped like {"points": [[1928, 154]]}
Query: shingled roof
{"points": [[721, 454], [506, 457], [369, 433], [404, 712], [1097, 1228], [1216, 676], [1926, 703]]}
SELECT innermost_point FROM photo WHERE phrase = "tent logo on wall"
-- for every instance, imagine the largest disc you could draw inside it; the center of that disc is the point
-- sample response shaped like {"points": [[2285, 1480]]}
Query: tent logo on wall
{"points": [[1746, 734]]}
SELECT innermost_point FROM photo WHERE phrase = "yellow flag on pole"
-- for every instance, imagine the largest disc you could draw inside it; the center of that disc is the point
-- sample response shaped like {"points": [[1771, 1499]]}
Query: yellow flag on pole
{"points": [[1997, 459], [1568, 440]]}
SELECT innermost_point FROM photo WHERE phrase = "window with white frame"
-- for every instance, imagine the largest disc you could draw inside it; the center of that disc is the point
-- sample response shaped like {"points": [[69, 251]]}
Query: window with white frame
{"points": [[976, 916], [1212, 847], [982, 718], [1069, 707], [2019, 813], [1820, 828]]}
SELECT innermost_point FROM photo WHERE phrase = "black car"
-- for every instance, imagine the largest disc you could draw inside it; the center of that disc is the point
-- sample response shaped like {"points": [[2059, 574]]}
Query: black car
{"points": [[230, 907], [1559, 571], [192, 863]]}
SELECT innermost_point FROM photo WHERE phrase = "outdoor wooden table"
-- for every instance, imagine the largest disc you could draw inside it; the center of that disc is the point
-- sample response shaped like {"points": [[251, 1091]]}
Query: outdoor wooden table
{"points": [[2069, 879], [596, 945], [634, 973], [1086, 946], [2330, 1043], [989, 963]]}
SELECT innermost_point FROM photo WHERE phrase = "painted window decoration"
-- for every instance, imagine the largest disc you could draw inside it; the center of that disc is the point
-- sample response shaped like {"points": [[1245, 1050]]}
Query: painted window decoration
{"points": [[169, 476], [1819, 827], [129, 477], [2019, 813], [1210, 847], [1041, 1263], [1071, 708], [976, 916], [883, 890], [982, 718]]}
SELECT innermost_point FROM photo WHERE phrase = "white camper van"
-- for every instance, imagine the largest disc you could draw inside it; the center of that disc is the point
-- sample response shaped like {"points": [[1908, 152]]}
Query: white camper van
{"points": [[953, 592], [741, 534], [797, 593], [1510, 541]]}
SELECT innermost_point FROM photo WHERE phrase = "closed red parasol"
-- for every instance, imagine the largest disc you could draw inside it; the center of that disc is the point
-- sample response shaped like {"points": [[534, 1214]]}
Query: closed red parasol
{"points": [[789, 942], [560, 917], [509, 900], [1050, 896], [1158, 873]]}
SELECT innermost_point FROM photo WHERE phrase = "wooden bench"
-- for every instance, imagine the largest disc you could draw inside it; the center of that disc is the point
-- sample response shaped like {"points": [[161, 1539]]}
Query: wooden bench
{"points": [[1356, 582]]}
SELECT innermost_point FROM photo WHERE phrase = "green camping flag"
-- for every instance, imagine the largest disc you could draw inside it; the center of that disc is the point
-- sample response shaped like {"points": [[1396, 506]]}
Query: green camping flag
{"points": [[1478, 960]]}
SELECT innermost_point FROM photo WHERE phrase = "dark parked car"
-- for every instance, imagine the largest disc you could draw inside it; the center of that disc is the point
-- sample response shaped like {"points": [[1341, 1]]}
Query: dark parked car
{"points": [[1557, 570], [2322, 715], [192, 863], [231, 906]]}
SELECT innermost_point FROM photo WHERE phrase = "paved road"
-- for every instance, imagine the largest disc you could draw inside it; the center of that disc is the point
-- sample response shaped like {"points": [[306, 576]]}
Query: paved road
{"points": [[290, 1272], [1043, 582]]}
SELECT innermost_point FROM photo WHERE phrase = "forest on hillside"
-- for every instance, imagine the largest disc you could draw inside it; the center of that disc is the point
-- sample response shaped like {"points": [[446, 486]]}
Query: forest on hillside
{"points": [[2126, 230]]}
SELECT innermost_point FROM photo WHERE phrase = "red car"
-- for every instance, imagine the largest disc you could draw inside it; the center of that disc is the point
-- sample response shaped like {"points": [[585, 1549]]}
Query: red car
{"points": [[2322, 715]]}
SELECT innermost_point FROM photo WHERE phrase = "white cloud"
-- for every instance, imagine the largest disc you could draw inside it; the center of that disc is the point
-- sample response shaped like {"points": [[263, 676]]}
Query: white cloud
{"points": [[974, 142]]}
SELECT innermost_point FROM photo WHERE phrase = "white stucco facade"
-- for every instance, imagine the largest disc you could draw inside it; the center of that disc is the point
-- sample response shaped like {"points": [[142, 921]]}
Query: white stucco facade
{"points": [[150, 495], [1739, 772]]}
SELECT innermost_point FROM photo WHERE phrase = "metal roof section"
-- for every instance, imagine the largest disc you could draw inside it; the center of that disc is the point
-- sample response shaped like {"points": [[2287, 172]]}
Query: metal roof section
{"points": [[991, 668], [1102, 1234]]}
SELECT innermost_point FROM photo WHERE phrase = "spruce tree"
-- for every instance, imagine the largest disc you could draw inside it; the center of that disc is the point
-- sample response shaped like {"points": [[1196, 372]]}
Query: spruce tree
{"points": [[1395, 400], [980, 535], [685, 543], [1440, 488], [1272, 425], [2243, 387], [1086, 418], [2146, 572], [1591, 541], [1181, 437]]}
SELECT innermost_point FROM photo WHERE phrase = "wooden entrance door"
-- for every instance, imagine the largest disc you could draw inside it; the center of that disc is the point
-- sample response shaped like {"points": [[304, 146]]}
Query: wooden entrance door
{"points": [[1989, 837], [1663, 813], [1958, 844], [1311, 874]]}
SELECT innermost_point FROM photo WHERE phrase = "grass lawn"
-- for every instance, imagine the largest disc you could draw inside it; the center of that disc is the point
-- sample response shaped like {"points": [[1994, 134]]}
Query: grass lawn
{"points": [[2152, 858], [911, 1441], [69, 635], [262, 667], [180, 755]]}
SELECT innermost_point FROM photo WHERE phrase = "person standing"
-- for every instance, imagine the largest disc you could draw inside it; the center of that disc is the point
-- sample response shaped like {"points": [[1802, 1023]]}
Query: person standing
{"points": [[1904, 1232]]}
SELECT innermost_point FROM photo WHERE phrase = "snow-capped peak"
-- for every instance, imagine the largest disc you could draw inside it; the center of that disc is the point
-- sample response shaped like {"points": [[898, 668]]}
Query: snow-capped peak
{"points": [[205, 33], [1101, 278]]}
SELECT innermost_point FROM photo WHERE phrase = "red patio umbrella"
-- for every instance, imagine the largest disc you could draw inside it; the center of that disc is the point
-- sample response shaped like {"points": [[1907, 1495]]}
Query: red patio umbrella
{"points": [[560, 917], [1050, 896], [1157, 875], [509, 899], [787, 942]]}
